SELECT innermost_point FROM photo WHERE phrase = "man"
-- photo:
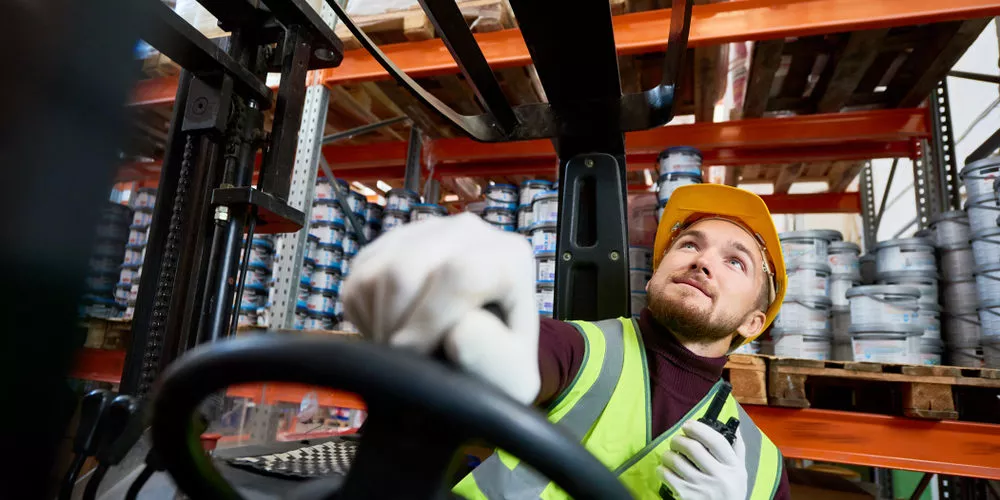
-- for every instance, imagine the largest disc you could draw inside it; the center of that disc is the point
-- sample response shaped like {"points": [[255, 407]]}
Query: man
{"points": [[631, 391]]}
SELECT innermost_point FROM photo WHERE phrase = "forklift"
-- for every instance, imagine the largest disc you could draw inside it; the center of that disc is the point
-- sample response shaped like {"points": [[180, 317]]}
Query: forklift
{"points": [[184, 353]]}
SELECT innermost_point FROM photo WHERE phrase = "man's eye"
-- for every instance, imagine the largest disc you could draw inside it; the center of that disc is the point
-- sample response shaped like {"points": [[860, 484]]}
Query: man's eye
{"points": [[738, 263], [689, 244]]}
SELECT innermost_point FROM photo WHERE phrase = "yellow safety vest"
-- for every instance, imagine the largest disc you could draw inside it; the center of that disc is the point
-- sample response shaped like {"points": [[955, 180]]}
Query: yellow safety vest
{"points": [[607, 407]]}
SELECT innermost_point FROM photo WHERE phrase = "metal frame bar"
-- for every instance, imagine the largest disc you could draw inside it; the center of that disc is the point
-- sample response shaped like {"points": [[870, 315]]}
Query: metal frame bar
{"points": [[943, 142], [867, 189], [364, 129], [926, 187], [979, 77], [885, 194]]}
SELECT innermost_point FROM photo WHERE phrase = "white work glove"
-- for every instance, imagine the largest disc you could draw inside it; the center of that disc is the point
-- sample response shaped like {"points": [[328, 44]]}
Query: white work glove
{"points": [[712, 470], [423, 285]]}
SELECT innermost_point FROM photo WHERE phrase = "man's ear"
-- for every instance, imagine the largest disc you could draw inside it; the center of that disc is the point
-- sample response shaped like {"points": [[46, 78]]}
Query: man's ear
{"points": [[752, 326]]}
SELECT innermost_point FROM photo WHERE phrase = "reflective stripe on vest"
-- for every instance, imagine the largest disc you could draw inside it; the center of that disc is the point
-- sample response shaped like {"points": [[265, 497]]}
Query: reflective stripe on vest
{"points": [[607, 408]]}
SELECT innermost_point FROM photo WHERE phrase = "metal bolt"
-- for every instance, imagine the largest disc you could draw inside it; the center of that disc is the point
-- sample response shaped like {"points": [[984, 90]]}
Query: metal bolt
{"points": [[567, 256], [614, 255], [222, 213], [588, 162]]}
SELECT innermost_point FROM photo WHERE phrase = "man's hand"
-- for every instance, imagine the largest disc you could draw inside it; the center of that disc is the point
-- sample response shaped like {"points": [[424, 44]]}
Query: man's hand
{"points": [[424, 285], [701, 464]]}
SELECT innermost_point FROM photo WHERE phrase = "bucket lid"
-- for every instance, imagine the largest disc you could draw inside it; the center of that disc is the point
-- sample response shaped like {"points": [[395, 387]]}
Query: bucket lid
{"points": [[983, 199], [545, 195], [678, 175], [392, 212], [823, 334], [820, 300], [951, 215], [678, 149], [505, 187], [991, 233], [907, 275], [843, 246], [536, 183], [326, 292], [890, 289], [254, 287], [820, 234], [817, 266], [433, 207], [905, 241], [989, 267], [545, 255], [326, 201], [404, 193], [503, 210], [248, 309], [957, 245], [332, 246], [327, 269], [546, 285], [883, 328], [985, 163], [545, 226], [524, 208]]}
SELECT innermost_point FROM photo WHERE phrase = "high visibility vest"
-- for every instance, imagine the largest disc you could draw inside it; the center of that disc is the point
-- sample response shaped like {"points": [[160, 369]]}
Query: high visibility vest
{"points": [[607, 408]]}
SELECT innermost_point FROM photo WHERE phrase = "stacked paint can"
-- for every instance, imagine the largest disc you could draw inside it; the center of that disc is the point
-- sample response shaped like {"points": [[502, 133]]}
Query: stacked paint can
{"points": [[983, 207], [678, 166], [398, 205], [542, 234], [501, 206], [640, 261], [526, 195], [143, 201], [845, 273], [373, 220], [959, 321], [802, 328], [258, 284], [322, 272], [102, 293]]}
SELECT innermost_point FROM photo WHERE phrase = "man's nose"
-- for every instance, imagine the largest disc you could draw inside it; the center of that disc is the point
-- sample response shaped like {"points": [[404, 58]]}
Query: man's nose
{"points": [[701, 264]]}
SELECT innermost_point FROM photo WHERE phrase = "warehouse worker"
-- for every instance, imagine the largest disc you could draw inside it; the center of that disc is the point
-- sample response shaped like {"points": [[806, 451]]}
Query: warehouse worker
{"points": [[630, 390]]}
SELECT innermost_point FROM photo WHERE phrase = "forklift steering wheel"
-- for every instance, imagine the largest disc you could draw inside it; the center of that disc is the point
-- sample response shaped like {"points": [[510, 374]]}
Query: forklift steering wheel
{"points": [[420, 412]]}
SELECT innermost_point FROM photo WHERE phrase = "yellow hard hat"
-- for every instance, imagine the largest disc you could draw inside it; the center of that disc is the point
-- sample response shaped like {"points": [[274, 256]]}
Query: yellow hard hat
{"points": [[694, 202]]}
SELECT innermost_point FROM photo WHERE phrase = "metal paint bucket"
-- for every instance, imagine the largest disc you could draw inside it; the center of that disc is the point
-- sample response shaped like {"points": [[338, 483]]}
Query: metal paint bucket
{"points": [[924, 281], [253, 296], [357, 202], [502, 193], [324, 189], [988, 282], [804, 313], [983, 212], [989, 318], [320, 302], [373, 213], [545, 298], [318, 321], [905, 254], [886, 343], [811, 247], [867, 264], [668, 183], [130, 273], [801, 344], [638, 302], [931, 351], [543, 239], [325, 278], [979, 176], [680, 160], [312, 246], [883, 304], [345, 266], [929, 318], [840, 321], [257, 276], [326, 211], [134, 254], [986, 246], [351, 245], [261, 255], [638, 278], [525, 217], [509, 228], [950, 228], [805, 278], [842, 256], [327, 232], [961, 329], [142, 217], [303, 296], [839, 285], [401, 200], [530, 188], [640, 257], [545, 207], [957, 261], [247, 317], [301, 313], [966, 356], [122, 291], [144, 198], [959, 296], [991, 352], [394, 218], [329, 254], [421, 211], [305, 276], [137, 236], [499, 215], [545, 268]]}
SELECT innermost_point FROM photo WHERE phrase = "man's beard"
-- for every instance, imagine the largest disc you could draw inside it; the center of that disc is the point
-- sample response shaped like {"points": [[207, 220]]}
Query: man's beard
{"points": [[689, 323]]}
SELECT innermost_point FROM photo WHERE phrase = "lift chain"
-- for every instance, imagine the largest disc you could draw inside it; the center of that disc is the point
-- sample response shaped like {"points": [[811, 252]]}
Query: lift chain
{"points": [[165, 284]]}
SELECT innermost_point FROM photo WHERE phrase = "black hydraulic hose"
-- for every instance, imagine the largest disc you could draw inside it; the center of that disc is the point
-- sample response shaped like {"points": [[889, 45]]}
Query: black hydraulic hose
{"points": [[69, 480], [251, 228], [140, 481], [90, 492]]}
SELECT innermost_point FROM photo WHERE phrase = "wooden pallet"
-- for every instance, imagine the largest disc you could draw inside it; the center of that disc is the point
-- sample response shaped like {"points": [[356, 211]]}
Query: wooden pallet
{"points": [[928, 392], [747, 374], [873, 69]]}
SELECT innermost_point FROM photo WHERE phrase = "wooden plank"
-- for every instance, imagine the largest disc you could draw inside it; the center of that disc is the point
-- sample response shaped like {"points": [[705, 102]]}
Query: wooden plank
{"points": [[788, 175], [424, 118], [936, 58], [804, 52], [358, 106], [851, 65], [840, 183], [890, 377], [765, 60]]}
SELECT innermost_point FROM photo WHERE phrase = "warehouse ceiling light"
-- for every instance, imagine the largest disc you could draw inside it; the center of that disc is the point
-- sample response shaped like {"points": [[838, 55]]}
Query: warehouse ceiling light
{"points": [[363, 189], [383, 186]]}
